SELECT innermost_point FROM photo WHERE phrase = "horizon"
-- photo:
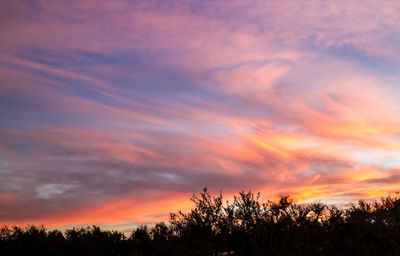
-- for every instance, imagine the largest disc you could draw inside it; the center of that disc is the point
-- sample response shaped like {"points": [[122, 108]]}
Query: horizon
{"points": [[115, 113]]}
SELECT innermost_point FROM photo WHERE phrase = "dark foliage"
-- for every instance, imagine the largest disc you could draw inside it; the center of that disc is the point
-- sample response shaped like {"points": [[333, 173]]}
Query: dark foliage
{"points": [[243, 227]]}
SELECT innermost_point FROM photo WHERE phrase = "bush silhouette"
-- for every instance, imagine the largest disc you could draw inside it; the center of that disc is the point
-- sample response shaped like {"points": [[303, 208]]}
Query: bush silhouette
{"points": [[242, 227]]}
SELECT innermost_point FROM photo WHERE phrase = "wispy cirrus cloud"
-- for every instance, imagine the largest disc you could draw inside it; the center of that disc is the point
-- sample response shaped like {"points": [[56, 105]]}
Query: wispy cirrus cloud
{"points": [[110, 108]]}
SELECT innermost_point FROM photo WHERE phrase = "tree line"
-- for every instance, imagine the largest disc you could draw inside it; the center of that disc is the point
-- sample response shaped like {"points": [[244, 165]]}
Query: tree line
{"points": [[244, 226]]}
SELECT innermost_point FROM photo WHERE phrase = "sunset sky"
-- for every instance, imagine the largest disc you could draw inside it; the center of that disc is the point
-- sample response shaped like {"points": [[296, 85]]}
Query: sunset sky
{"points": [[115, 112]]}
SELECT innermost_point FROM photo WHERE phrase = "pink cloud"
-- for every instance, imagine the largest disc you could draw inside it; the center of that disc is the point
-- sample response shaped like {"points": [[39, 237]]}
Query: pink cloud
{"points": [[119, 100]]}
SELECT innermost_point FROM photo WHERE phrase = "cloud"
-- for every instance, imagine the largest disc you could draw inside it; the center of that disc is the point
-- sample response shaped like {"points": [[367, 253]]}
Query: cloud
{"points": [[109, 109]]}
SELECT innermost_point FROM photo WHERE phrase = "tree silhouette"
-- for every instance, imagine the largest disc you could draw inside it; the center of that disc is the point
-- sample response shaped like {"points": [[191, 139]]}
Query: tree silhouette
{"points": [[242, 227]]}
